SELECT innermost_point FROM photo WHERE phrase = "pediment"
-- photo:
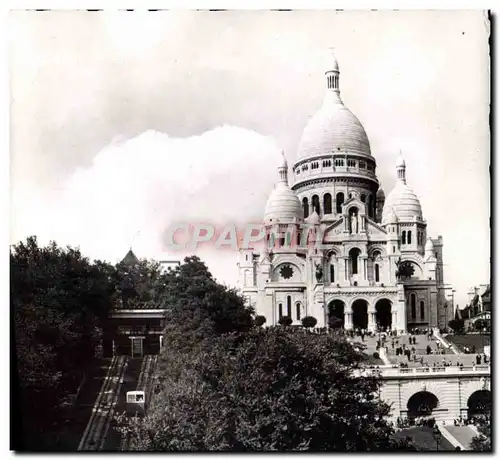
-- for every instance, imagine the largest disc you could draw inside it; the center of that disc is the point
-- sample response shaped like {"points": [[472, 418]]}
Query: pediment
{"points": [[374, 229]]}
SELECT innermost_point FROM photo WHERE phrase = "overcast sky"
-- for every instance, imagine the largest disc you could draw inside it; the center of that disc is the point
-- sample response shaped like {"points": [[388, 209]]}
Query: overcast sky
{"points": [[122, 123]]}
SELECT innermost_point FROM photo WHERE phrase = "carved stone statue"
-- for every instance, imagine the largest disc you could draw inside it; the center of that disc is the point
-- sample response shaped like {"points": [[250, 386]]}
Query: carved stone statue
{"points": [[354, 223], [319, 272]]}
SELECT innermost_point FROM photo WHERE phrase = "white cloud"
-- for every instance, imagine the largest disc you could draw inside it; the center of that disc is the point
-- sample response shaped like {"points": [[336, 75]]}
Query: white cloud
{"points": [[134, 189]]}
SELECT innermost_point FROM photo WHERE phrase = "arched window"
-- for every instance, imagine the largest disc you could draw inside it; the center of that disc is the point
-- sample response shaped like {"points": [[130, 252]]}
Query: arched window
{"points": [[289, 306], [370, 206], [363, 198], [315, 203], [327, 203], [297, 306], [282, 241], [377, 273], [280, 310], [409, 236], [298, 238], [305, 207], [403, 237], [340, 202], [413, 301], [353, 256], [422, 310], [332, 273]]}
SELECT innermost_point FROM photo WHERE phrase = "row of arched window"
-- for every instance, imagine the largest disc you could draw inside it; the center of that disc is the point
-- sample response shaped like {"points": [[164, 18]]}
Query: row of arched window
{"points": [[413, 308], [338, 162], [298, 309], [327, 204], [420, 238]]}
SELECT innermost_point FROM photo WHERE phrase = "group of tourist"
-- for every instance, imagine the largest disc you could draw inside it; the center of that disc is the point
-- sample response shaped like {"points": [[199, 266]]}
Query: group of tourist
{"points": [[476, 421], [417, 421]]}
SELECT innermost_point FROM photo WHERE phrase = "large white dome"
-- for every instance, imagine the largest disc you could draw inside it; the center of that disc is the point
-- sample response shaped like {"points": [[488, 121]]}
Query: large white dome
{"points": [[332, 129]]}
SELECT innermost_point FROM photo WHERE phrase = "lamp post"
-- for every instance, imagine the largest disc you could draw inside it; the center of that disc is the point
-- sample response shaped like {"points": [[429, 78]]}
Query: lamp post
{"points": [[437, 436]]}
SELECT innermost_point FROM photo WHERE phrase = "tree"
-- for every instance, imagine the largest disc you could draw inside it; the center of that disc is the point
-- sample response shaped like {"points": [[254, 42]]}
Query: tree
{"points": [[309, 321], [259, 320], [199, 308], [285, 321], [457, 325], [271, 389], [405, 269], [58, 301], [481, 324], [482, 442]]}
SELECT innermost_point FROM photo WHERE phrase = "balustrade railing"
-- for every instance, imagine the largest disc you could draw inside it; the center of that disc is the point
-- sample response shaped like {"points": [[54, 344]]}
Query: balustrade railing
{"points": [[388, 372]]}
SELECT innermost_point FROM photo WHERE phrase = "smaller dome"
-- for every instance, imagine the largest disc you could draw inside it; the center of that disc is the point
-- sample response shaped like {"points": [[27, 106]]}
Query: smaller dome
{"points": [[283, 205], [313, 218], [380, 193], [404, 202]]}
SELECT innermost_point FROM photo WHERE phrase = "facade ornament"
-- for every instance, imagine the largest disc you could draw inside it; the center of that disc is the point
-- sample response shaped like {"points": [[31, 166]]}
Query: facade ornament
{"points": [[319, 272], [354, 223]]}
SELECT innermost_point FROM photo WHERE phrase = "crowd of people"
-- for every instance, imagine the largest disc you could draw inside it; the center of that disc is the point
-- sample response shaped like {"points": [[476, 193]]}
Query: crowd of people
{"points": [[480, 420], [415, 421]]}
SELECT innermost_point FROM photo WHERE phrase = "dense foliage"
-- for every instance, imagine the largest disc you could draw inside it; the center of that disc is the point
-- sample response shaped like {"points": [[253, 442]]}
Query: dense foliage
{"points": [[309, 321], [482, 325], [457, 325], [273, 389], [259, 320], [482, 443], [199, 308], [58, 301], [285, 321]]}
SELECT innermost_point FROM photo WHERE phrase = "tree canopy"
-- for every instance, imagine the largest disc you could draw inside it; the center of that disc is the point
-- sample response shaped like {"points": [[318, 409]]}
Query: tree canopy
{"points": [[273, 389], [482, 442], [58, 302]]}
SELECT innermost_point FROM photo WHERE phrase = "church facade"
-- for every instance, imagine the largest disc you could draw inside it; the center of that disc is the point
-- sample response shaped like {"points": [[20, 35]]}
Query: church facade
{"points": [[336, 248]]}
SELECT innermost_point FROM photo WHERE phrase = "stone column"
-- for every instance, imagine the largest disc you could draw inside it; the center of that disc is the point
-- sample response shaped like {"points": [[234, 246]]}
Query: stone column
{"points": [[371, 319], [394, 318], [364, 267], [347, 318]]}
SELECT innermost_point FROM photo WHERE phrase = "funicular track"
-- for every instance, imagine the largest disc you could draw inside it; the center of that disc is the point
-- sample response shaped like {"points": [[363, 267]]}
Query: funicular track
{"points": [[102, 414], [144, 383]]}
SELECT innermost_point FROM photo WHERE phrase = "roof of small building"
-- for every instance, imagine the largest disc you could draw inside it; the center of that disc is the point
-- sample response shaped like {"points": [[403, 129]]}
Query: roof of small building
{"points": [[130, 258]]}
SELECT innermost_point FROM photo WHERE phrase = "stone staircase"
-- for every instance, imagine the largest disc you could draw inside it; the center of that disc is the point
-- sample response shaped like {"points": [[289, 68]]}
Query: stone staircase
{"points": [[460, 436]]}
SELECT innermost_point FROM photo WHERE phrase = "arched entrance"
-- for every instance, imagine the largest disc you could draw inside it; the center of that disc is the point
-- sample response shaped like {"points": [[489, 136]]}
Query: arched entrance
{"points": [[336, 310], [479, 403], [422, 404], [360, 314], [383, 314]]}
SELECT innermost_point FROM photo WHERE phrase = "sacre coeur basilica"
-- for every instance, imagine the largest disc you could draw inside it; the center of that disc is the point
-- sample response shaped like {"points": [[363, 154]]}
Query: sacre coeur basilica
{"points": [[368, 262]]}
